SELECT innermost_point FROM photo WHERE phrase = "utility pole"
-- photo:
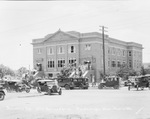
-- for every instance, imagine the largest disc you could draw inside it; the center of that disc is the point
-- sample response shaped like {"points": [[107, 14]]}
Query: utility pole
{"points": [[103, 38]]}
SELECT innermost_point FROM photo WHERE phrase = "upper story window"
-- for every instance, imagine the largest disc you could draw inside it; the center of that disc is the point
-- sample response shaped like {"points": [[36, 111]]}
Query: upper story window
{"points": [[39, 50], [60, 50], [50, 51], [72, 49], [109, 51], [123, 52], [114, 51], [130, 53], [88, 47]]}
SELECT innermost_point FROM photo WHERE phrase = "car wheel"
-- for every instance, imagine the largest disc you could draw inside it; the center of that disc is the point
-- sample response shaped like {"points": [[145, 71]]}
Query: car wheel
{"points": [[81, 87], [137, 87], [100, 86], [67, 87], [49, 92], [60, 92], [116, 87], [27, 90], [2, 96], [142, 88], [129, 88], [39, 90]]}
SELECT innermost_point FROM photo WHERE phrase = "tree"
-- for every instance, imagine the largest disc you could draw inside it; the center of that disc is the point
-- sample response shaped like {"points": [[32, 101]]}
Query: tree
{"points": [[145, 70], [65, 72], [22, 71], [125, 71], [4, 70]]}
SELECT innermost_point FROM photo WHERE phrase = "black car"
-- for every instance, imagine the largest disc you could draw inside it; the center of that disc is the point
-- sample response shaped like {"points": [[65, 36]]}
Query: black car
{"points": [[141, 82], [111, 81], [71, 83]]}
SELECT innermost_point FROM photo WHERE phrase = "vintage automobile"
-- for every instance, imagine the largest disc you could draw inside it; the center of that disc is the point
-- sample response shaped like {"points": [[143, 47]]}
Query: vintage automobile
{"points": [[141, 82], [17, 86], [2, 93], [71, 83], [110, 81], [49, 86]]}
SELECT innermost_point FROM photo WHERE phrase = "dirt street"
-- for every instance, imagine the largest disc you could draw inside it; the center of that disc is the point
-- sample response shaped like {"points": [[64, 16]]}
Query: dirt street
{"points": [[77, 104]]}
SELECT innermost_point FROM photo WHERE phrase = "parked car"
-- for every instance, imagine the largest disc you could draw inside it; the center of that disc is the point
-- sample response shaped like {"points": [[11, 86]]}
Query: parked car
{"points": [[49, 86], [71, 83], [16, 85], [110, 81], [2, 93], [140, 82]]}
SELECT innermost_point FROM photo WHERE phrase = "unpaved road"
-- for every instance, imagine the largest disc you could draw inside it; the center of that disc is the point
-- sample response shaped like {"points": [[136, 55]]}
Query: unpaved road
{"points": [[77, 104]]}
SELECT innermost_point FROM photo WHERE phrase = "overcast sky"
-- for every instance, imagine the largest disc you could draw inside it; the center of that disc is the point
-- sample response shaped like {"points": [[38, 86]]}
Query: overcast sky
{"points": [[20, 22]]}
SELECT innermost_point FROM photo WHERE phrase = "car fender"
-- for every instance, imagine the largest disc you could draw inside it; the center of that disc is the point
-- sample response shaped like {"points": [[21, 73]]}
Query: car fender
{"points": [[2, 92]]}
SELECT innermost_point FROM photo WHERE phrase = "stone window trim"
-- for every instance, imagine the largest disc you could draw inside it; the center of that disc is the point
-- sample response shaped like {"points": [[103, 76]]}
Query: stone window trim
{"points": [[50, 51], [39, 51], [60, 50]]}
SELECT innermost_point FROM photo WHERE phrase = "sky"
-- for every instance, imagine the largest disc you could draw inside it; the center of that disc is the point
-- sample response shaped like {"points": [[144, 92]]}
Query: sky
{"points": [[22, 21]]}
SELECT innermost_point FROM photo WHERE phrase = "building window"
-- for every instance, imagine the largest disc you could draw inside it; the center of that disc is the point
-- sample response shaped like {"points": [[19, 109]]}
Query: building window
{"points": [[60, 50], [108, 63], [109, 51], [61, 62], [118, 64], [39, 50], [130, 53], [72, 49], [50, 51], [130, 64], [51, 63], [123, 52], [72, 61], [113, 63], [114, 51], [88, 47]]}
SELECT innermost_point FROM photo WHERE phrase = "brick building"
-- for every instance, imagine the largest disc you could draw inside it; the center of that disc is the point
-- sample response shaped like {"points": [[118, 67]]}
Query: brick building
{"points": [[63, 48]]}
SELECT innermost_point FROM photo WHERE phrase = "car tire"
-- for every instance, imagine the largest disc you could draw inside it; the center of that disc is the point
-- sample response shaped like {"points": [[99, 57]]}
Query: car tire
{"points": [[2, 96], [27, 90], [116, 87], [81, 86], [129, 88], [67, 87], [100, 86], [39, 89], [137, 87], [49, 92], [60, 92]]}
